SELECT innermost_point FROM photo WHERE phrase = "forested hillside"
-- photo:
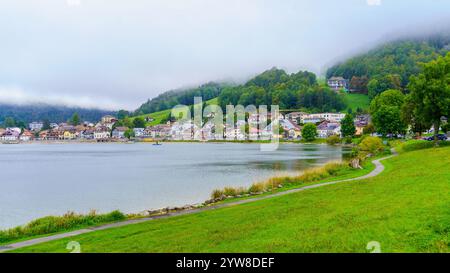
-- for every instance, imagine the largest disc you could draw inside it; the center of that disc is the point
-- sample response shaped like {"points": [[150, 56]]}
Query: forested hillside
{"points": [[169, 99], [52, 113], [389, 66], [289, 91]]}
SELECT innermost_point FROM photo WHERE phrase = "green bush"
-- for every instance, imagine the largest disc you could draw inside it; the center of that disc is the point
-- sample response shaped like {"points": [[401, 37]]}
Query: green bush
{"points": [[371, 145], [333, 140], [309, 132], [53, 224]]}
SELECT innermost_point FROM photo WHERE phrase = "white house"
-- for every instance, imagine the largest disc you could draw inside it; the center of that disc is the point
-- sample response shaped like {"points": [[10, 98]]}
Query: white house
{"points": [[101, 133], [36, 126], [139, 132]]}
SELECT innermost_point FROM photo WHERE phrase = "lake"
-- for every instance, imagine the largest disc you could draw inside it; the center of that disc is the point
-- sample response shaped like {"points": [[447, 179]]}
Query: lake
{"points": [[50, 179]]}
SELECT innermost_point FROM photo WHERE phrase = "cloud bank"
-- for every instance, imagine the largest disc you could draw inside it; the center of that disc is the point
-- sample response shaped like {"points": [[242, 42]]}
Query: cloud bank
{"points": [[117, 54]]}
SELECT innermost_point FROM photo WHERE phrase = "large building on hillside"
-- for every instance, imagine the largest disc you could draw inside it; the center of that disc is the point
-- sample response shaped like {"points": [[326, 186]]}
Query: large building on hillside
{"points": [[337, 83]]}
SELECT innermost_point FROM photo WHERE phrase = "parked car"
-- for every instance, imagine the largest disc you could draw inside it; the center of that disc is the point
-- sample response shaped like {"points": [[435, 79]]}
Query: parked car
{"points": [[440, 137]]}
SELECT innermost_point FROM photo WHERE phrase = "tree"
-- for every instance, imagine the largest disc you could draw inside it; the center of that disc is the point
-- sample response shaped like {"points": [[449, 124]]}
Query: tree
{"points": [[9, 122], [348, 128], [309, 132], [46, 125], [75, 120], [430, 92], [386, 112], [122, 114], [128, 133], [139, 122], [380, 84], [369, 129], [417, 122]]}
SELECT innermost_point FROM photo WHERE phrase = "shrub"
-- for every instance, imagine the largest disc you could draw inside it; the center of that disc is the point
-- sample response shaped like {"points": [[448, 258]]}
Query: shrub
{"points": [[217, 194], [229, 191], [333, 140], [372, 145], [256, 188], [53, 224]]}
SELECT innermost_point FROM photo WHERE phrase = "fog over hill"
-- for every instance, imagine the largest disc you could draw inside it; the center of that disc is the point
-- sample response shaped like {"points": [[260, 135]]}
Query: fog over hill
{"points": [[118, 54]]}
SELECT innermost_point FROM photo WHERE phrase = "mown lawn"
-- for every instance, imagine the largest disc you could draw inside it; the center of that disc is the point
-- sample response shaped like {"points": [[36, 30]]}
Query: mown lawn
{"points": [[357, 100], [405, 209]]}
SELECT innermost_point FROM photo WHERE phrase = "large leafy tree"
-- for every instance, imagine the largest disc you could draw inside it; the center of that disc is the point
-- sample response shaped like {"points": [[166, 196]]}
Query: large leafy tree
{"points": [[430, 91], [138, 123], [348, 126], [386, 112], [309, 132]]}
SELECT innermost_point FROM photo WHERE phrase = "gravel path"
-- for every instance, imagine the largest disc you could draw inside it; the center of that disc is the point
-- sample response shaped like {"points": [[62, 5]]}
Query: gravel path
{"points": [[378, 169]]}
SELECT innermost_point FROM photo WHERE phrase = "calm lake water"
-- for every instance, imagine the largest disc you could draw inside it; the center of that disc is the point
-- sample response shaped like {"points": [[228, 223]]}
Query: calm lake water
{"points": [[50, 179]]}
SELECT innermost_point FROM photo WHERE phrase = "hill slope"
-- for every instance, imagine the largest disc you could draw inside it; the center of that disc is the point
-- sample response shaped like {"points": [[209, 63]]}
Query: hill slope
{"points": [[390, 65], [405, 209], [53, 113]]}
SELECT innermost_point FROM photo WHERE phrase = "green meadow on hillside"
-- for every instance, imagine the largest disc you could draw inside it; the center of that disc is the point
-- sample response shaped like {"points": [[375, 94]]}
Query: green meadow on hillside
{"points": [[355, 101], [405, 209]]}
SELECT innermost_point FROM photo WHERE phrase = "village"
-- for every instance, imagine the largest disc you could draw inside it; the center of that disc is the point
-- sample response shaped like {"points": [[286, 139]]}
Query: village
{"points": [[258, 128]]}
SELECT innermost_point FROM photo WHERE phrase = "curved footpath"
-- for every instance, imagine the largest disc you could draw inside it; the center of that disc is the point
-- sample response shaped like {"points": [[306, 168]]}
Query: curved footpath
{"points": [[378, 169]]}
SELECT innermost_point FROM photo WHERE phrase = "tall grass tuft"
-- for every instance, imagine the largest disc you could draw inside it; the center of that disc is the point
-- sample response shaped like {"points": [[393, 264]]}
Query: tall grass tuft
{"points": [[53, 224], [274, 183]]}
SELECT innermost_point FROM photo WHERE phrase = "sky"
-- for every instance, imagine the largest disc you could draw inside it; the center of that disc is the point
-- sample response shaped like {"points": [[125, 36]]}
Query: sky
{"points": [[114, 54]]}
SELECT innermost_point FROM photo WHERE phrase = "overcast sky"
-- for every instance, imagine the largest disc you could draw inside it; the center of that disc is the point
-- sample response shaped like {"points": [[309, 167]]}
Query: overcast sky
{"points": [[117, 54]]}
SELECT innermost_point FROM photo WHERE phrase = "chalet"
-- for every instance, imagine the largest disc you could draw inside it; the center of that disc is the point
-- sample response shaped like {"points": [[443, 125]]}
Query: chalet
{"points": [[119, 132], [108, 119], [43, 134], [26, 136], [293, 131], [296, 117], [101, 133], [10, 135], [327, 128], [87, 134], [337, 83]]}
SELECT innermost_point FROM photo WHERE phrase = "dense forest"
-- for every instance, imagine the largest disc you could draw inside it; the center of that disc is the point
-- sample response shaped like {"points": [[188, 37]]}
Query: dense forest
{"points": [[390, 66], [289, 91], [169, 99], [52, 113]]}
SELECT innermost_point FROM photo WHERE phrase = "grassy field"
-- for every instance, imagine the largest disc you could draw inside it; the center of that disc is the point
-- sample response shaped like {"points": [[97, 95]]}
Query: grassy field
{"points": [[357, 100], [405, 209]]}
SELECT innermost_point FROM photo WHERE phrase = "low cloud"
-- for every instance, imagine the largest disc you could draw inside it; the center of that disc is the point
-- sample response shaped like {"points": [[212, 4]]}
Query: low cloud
{"points": [[374, 2], [16, 95]]}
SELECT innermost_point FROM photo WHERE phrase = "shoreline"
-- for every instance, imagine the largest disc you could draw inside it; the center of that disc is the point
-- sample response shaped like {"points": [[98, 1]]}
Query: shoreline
{"points": [[62, 142]]}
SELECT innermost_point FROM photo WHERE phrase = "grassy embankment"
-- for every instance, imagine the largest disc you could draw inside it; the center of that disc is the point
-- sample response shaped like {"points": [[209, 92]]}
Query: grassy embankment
{"points": [[405, 209]]}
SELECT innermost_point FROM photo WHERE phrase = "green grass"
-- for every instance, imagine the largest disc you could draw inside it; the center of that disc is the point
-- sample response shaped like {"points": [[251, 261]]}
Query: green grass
{"points": [[357, 100], [406, 209], [161, 115]]}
